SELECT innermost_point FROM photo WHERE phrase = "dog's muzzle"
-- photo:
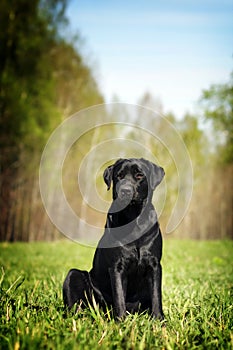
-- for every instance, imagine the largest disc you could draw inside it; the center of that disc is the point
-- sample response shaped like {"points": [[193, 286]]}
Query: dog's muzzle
{"points": [[125, 191]]}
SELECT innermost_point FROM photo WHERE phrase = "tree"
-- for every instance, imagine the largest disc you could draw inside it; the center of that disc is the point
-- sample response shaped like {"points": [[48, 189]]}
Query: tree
{"points": [[36, 62], [26, 91], [217, 102]]}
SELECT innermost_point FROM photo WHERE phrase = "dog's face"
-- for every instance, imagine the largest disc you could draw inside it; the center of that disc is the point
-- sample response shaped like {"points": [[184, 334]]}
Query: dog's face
{"points": [[133, 179]]}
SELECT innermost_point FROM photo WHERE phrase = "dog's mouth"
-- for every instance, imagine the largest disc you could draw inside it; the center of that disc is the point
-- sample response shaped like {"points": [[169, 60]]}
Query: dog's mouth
{"points": [[136, 201], [130, 198], [130, 195]]}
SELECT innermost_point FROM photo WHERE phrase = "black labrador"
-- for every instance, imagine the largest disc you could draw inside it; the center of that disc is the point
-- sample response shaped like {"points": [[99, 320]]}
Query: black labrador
{"points": [[126, 272]]}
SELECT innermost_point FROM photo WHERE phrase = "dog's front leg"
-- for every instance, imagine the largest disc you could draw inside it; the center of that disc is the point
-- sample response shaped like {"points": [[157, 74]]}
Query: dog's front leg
{"points": [[118, 284], [156, 293]]}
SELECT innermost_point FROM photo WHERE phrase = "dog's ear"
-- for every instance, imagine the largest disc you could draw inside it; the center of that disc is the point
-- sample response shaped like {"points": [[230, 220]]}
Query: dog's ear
{"points": [[108, 172], [156, 175]]}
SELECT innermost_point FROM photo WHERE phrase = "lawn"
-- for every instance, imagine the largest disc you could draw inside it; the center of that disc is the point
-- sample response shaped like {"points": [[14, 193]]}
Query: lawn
{"points": [[197, 299]]}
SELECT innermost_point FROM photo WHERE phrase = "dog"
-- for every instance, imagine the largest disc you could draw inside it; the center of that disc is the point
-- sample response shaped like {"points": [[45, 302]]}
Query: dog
{"points": [[126, 274]]}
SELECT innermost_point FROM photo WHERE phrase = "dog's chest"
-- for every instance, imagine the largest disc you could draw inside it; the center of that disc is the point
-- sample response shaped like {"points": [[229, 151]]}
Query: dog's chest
{"points": [[138, 260]]}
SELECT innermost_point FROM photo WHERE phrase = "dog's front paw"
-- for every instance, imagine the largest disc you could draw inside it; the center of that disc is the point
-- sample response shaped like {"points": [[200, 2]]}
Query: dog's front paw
{"points": [[158, 316], [120, 315]]}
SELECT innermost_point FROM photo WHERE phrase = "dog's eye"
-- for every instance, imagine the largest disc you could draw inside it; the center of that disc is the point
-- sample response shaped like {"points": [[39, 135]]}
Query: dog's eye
{"points": [[139, 176], [120, 175]]}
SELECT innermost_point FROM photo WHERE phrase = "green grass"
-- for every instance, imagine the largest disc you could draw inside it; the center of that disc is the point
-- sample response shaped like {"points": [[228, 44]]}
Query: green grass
{"points": [[197, 298]]}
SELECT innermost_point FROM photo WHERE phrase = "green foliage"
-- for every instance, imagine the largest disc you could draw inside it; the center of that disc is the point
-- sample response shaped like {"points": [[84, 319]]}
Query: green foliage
{"points": [[197, 297], [43, 79], [192, 135], [26, 86], [197, 145], [76, 87], [41, 74], [218, 108]]}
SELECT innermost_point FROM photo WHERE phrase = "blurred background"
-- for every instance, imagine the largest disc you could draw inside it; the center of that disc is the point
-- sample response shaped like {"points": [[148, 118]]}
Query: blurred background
{"points": [[58, 57]]}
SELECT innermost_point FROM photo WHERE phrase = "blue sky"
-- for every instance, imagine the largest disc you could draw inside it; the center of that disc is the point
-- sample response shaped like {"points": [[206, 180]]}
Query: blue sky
{"points": [[174, 49]]}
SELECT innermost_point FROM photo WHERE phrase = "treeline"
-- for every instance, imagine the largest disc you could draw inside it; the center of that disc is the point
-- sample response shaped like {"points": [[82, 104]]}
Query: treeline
{"points": [[208, 137], [43, 80], [211, 210], [209, 214]]}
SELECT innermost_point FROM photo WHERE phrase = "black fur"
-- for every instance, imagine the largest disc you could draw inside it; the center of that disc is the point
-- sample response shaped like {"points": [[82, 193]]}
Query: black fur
{"points": [[126, 272]]}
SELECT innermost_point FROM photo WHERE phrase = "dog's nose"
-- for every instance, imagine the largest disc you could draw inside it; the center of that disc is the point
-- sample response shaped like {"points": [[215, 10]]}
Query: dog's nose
{"points": [[126, 192]]}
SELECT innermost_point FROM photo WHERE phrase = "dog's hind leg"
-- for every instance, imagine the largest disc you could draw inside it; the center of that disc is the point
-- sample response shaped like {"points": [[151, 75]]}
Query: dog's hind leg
{"points": [[76, 288]]}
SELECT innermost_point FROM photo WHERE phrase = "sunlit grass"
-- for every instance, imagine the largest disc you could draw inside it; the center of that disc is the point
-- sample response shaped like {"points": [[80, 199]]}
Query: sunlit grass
{"points": [[197, 298]]}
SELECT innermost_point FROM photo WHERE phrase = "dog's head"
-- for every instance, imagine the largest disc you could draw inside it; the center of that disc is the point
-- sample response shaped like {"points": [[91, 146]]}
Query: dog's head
{"points": [[133, 179]]}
